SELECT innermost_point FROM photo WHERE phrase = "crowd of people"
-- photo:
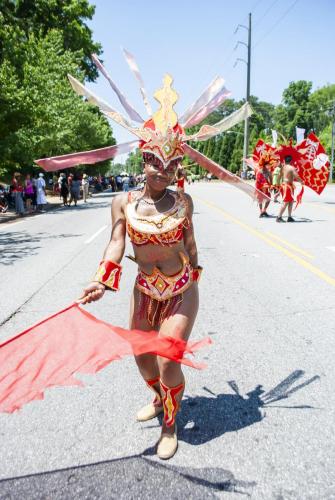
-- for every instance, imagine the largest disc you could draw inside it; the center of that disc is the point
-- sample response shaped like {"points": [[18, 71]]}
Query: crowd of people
{"points": [[27, 194], [73, 186]]}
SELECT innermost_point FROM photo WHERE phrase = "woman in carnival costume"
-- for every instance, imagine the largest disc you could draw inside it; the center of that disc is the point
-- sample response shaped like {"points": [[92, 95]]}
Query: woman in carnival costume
{"points": [[159, 224]]}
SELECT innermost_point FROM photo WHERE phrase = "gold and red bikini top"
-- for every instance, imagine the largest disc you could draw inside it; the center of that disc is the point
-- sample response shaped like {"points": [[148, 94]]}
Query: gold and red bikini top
{"points": [[164, 229]]}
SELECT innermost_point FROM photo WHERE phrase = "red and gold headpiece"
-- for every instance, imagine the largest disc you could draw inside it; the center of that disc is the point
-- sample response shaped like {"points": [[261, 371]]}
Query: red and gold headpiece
{"points": [[164, 134], [269, 158]]}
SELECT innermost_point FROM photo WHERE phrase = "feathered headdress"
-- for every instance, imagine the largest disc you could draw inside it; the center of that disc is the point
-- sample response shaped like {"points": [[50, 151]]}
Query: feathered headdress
{"points": [[268, 158], [163, 134]]}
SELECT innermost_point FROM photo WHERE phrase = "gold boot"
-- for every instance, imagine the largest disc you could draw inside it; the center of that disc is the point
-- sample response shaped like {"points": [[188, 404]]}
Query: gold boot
{"points": [[171, 397], [152, 409]]}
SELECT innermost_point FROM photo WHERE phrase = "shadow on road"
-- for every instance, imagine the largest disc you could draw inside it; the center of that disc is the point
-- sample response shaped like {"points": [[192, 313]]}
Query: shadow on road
{"points": [[15, 245], [206, 418], [139, 476], [130, 477], [82, 207]]}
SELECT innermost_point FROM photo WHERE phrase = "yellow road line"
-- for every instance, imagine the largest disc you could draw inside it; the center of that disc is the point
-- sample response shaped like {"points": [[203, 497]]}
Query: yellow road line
{"points": [[299, 260], [290, 245]]}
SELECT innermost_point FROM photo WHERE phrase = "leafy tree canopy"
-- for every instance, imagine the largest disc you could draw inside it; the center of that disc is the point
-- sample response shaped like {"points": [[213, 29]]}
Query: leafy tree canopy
{"points": [[40, 114], [39, 16]]}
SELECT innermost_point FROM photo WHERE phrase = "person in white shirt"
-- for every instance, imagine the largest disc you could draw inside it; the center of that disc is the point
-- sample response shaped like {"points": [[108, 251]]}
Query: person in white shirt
{"points": [[41, 198], [85, 187]]}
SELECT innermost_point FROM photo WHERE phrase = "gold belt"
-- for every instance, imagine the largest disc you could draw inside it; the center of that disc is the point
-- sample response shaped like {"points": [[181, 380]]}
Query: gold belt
{"points": [[161, 287]]}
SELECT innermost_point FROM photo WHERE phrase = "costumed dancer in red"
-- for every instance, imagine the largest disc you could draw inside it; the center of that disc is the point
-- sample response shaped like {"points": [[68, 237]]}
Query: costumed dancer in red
{"points": [[289, 175], [165, 297], [159, 224], [263, 185], [180, 178]]}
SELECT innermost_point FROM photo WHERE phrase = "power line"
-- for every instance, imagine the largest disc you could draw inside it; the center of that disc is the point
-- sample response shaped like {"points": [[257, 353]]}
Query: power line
{"points": [[228, 55], [276, 23], [265, 13], [254, 7]]}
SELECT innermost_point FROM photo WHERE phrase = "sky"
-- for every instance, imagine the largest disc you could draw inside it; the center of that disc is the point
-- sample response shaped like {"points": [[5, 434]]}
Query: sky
{"points": [[194, 41]]}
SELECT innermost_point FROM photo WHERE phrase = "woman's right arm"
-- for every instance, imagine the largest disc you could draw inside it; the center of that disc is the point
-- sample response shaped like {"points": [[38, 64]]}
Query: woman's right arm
{"points": [[113, 252]]}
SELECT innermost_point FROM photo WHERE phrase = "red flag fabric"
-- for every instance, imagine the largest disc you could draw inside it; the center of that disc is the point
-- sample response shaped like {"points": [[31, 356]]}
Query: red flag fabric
{"points": [[299, 197], [74, 341], [314, 164], [310, 159]]}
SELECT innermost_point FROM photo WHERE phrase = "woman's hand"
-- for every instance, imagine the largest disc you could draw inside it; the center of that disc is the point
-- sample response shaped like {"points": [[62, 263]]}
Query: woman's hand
{"points": [[94, 291]]}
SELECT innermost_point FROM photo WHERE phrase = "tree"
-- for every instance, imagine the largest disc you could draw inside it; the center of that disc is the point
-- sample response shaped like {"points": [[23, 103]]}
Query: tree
{"points": [[134, 162], [40, 114], [321, 107], [226, 151], [235, 162], [294, 110], [39, 17]]}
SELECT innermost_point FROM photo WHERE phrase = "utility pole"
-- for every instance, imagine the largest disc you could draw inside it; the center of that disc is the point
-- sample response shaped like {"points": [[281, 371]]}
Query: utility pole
{"points": [[246, 123], [248, 63]]}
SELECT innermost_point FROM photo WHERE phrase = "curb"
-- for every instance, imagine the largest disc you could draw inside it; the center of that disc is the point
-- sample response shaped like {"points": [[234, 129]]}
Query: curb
{"points": [[9, 216]]}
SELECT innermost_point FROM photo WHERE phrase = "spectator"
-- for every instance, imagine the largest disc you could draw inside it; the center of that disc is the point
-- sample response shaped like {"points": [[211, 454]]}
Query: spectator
{"points": [[55, 186], [69, 181], [41, 198], [112, 183], [125, 183], [28, 193], [118, 180], [85, 186], [17, 190], [59, 182], [64, 189], [34, 200], [74, 190], [3, 199]]}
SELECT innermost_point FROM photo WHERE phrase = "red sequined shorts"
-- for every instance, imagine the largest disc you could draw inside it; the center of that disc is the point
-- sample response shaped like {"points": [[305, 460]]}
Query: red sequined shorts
{"points": [[161, 295]]}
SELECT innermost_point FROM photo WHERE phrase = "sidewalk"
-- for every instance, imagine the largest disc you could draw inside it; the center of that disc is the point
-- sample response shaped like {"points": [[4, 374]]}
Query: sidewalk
{"points": [[53, 203], [10, 215]]}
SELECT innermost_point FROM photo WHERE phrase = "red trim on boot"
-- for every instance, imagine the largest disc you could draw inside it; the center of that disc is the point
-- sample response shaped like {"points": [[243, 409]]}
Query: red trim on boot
{"points": [[150, 383], [170, 403]]}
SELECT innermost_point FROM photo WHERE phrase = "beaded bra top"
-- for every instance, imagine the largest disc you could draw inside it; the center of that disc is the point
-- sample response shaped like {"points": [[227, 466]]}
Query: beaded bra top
{"points": [[163, 229]]}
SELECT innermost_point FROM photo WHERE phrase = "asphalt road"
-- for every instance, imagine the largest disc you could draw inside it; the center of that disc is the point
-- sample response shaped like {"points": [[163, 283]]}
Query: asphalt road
{"points": [[258, 422]]}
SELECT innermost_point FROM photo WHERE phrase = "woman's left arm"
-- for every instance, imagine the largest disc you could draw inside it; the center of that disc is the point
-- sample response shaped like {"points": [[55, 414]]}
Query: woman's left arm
{"points": [[189, 239]]}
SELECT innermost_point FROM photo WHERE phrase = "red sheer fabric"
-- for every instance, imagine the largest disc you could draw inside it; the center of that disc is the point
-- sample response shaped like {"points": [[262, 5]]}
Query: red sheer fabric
{"points": [[74, 341], [223, 174]]}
